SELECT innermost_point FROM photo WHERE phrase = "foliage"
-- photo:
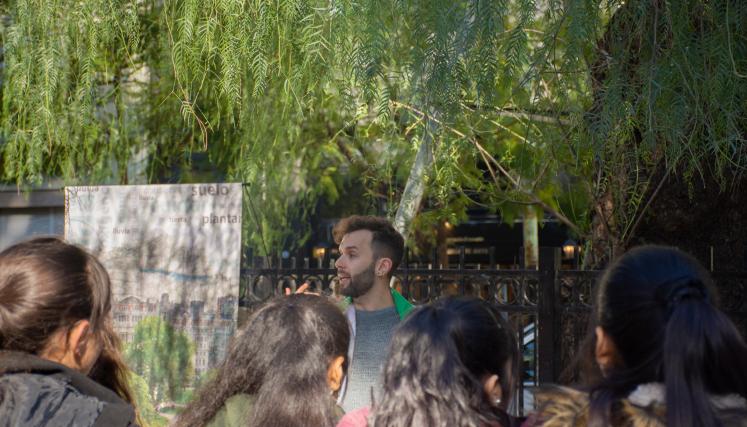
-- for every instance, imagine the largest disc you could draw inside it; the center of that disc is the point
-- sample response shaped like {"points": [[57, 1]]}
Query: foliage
{"points": [[162, 356], [64, 87], [144, 403], [564, 105], [670, 99]]}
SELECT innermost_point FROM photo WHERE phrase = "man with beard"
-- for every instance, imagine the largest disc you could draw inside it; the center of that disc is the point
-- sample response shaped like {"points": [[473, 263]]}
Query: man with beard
{"points": [[370, 251]]}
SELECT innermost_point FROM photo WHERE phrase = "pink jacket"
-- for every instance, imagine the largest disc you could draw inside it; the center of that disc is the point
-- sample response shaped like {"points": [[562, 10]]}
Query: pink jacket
{"points": [[356, 418], [359, 418]]}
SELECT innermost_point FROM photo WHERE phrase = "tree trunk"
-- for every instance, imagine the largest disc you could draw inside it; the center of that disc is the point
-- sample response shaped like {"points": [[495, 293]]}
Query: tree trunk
{"points": [[416, 182], [605, 242], [530, 238]]}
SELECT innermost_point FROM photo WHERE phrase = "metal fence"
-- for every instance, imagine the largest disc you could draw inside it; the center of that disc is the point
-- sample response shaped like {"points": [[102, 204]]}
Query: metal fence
{"points": [[548, 308]]}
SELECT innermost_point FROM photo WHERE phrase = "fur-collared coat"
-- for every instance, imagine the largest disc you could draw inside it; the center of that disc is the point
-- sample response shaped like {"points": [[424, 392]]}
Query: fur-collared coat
{"points": [[567, 407]]}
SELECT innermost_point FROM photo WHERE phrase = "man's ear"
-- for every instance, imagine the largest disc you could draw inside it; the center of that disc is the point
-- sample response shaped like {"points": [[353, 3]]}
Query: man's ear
{"points": [[383, 266], [335, 373], [605, 351]]}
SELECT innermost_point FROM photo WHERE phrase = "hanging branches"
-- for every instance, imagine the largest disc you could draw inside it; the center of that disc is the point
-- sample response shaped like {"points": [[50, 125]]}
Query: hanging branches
{"points": [[603, 90]]}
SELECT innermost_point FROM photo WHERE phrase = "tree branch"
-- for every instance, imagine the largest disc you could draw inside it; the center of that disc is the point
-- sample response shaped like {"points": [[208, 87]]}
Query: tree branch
{"points": [[515, 113], [488, 158]]}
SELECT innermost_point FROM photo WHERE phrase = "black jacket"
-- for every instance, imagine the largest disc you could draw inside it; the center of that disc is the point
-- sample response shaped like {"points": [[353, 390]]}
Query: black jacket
{"points": [[38, 392]]}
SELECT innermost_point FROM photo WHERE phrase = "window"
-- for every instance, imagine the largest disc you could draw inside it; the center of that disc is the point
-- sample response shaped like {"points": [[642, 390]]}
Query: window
{"points": [[23, 215]]}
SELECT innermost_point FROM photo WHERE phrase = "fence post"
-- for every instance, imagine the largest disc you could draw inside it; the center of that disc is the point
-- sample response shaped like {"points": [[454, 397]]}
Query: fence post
{"points": [[406, 282], [547, 316], [301, 263], [462, 284]]}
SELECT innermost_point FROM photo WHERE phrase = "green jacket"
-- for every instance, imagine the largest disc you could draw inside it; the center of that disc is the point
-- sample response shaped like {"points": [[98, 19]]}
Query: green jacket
{"points": [[235, 412], [401, 304]]}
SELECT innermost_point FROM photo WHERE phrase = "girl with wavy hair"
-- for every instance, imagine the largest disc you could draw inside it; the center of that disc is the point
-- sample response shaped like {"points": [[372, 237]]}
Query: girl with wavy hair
{"points": [[282, 369], [450, 363]]}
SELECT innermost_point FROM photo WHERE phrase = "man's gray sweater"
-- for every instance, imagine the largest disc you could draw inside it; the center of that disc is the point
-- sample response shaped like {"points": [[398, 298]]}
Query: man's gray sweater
{"points": [[373, 332]]}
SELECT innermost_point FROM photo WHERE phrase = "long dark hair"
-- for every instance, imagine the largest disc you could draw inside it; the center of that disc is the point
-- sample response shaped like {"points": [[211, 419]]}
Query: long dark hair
{"points": [[280, 358], [46, 285], [437, 360], [111, 371], [656, 304]]}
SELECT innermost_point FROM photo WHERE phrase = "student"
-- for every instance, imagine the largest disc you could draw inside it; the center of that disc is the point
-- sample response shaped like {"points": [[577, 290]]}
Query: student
{"points": [[370, 251], [283, 369], [667, 355], [55, 304], [450, 363]]}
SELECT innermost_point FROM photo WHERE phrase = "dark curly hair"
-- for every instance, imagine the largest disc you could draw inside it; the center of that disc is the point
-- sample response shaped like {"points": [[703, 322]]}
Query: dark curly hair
{"points": [[280, 358], [437, 361]]}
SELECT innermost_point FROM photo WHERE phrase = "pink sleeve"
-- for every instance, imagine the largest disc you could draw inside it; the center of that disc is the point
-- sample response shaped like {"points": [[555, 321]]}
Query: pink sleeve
{"points": [[356, 418], [532, 421]]}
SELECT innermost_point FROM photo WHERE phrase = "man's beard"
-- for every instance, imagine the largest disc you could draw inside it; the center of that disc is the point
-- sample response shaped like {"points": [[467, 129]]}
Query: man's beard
{"points": [[360, 284]]}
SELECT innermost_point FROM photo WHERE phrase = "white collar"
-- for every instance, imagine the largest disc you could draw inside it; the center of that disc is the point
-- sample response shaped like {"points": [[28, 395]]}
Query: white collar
{"points": [[648, 394]]}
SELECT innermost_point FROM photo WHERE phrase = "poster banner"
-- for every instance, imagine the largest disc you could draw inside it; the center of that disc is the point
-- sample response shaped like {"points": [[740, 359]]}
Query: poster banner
{"points": [[173, 253]]}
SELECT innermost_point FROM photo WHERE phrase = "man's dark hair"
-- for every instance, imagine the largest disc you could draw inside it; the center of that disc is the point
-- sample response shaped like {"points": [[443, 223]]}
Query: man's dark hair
{"points": [[386, 240]]}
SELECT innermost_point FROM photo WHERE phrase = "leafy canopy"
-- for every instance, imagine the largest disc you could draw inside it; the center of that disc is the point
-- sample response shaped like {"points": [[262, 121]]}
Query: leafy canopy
{"points": [[550, 103]]}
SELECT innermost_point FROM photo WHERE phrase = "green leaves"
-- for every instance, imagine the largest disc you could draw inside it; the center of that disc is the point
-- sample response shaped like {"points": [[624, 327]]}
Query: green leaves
{"points": [[162, 356], [306, 99]]}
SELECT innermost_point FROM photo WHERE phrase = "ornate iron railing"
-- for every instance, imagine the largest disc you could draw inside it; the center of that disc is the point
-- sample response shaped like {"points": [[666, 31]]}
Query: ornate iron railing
{"points": [[549, 308]]}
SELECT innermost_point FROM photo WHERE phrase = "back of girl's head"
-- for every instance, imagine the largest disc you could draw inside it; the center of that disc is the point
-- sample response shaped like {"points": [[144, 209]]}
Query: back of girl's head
{"points": [[657, 304], [281, 358], [438, 359], [45, 285]]}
